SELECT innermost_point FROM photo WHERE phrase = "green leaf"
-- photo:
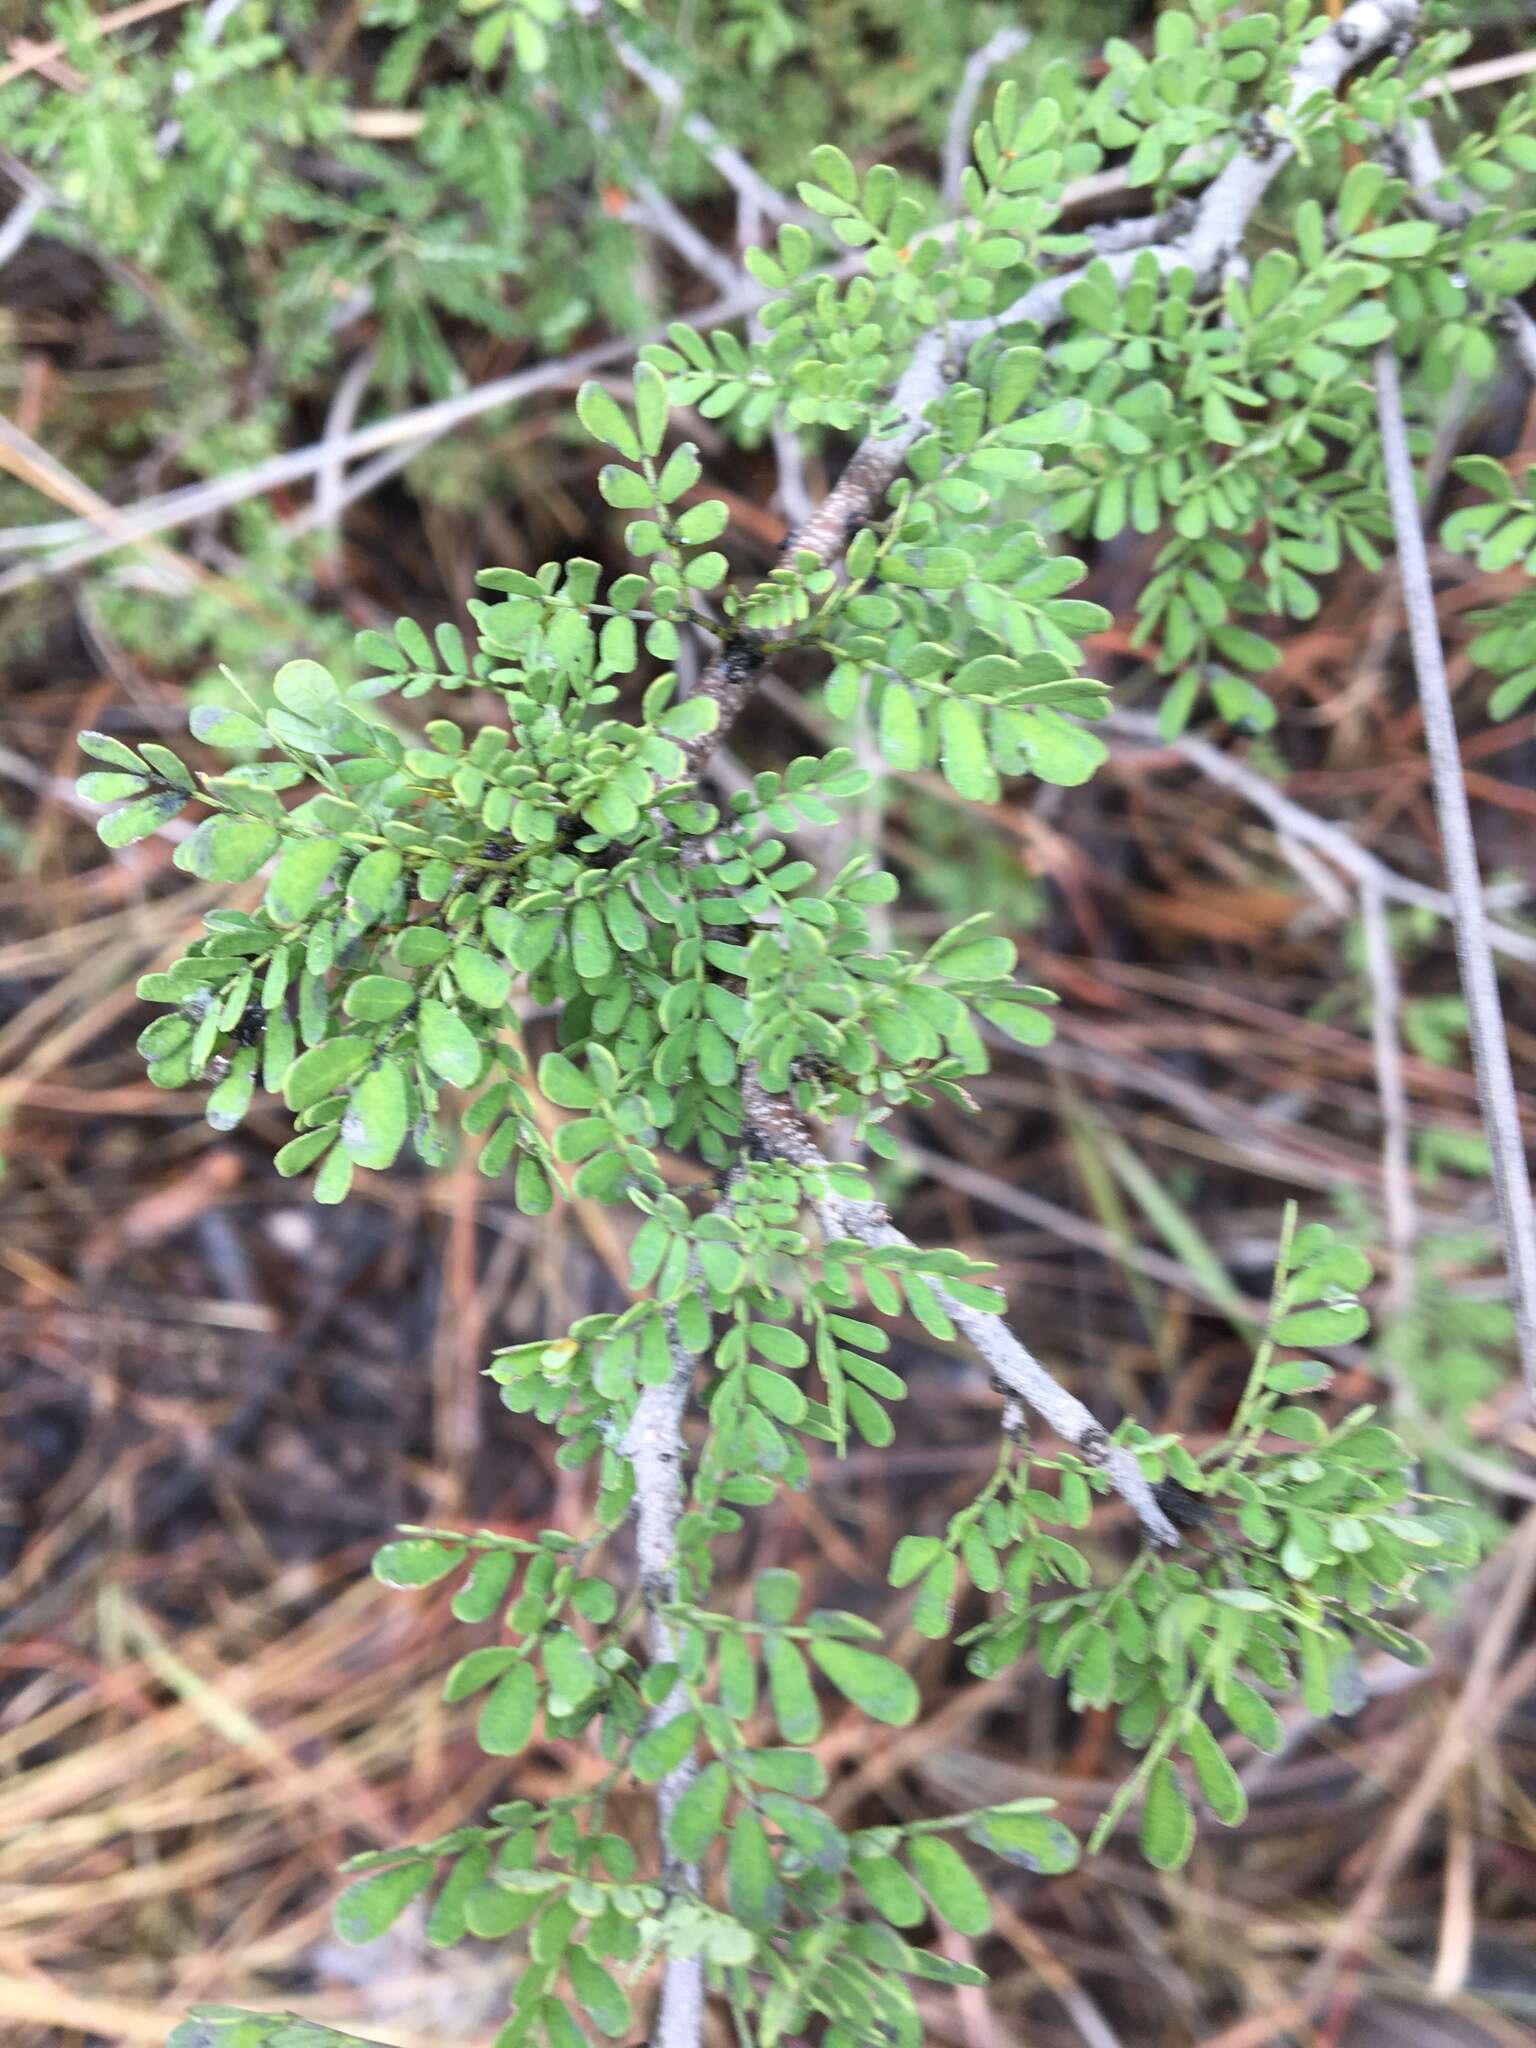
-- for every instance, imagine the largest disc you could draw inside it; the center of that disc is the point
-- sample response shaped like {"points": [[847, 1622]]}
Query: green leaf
{"points": [[1167, 1820], [484, 980], [963, 752], [689, 720], [377, 1118], [699, 1815], [1403, 238], [598, 1994], [300, 875], [1252, 1715], [663, 1748], [102, 747], [624, 488], [416, 1561], [874, 1684], [371, 884], [571, 1670], [1218, 1781], [703, 522], [369, 1908], [376, 998], [976, 959], [752, 1883], [232, 1097], [650, 406], [604, 419], [1309, 1328], [307, 690], [225, 849], [591, 949], [107, 785], [506, 1720], [901, 727], [830, 167], [953, 1889], [324, 1069], [334, 1179], [912, 1557], [447, 1044], [232, 731], [794, 1697], [478, 1669], [777, 1594], [1021, 1021], [138, 820], [562, 1082], [890, 1890], [680, 472], [1032, 1841]]}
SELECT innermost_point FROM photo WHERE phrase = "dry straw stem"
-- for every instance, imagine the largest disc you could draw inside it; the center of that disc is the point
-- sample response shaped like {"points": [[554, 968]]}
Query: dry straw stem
{"points": [[1474, 951]]}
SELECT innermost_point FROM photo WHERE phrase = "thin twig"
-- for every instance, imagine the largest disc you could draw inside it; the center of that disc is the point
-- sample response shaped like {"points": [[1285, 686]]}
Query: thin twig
{"points": [[780, 1131], [1470, 1724], [1474, 952], [19, 223], [1396, 1169], [406, 433], [650, 208], [654, 1446], [342, 411], [1292, 819], [667, 92]]}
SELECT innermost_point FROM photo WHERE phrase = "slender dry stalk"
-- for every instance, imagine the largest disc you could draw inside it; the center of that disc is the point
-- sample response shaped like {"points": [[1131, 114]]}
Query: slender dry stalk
{"points": [[1474, 952]]}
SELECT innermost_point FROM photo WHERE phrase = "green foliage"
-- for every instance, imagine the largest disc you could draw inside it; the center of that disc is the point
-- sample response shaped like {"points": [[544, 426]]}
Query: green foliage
{"points": [[422, 883], [1500, 532], [1300, 1533], [426, 884]]}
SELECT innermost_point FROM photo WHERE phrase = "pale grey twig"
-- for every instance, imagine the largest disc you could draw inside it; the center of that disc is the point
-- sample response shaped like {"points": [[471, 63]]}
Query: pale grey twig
{"points": [[35, 464], [1292, 819], [1018, 1371], [795, 499], [1008, 42], [1228, 202], [1358, 34], [1386, 1015], [19, 223], [340, 414], [654, 1447], [650, 208], [1474, 952], [781, 1132], [667, 92], [409, 431]]}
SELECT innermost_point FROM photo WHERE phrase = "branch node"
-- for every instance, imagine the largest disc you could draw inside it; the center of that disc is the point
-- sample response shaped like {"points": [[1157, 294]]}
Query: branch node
{"points": [[742, 655], [1093, 1446]]}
